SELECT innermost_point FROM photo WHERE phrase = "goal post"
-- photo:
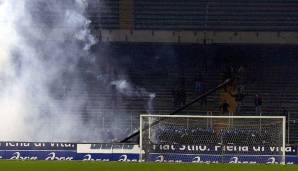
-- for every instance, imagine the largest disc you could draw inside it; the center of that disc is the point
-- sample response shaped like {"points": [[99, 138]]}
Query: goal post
{"points": [[212, 139]]}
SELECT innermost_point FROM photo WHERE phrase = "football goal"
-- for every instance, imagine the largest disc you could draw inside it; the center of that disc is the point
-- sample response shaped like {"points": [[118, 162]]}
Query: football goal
{"points": [[212, 139]]}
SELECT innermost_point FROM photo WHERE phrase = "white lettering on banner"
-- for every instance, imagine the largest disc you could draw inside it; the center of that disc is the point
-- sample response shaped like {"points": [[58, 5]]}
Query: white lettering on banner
{"points": [[162, 159], [39, 144], [17, 156], [202, 148], [272, 160], [229, 148], [258, 148], [278, 149], [181, 148], [124, 158], [190, 148], [289, 149], [88, 157], [235, 160], [196, 148], [17, 144], [164, 147], [274, 149], [52, 156], [61, 145], [235, 148], [198, 160]]}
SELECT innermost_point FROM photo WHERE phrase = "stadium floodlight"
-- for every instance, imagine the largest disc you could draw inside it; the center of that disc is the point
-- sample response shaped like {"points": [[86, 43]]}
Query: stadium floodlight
{"points": [[212, 139]]}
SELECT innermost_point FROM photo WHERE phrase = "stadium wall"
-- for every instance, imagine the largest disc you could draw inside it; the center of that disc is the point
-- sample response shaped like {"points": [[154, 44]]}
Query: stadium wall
{"points": [[117, 152], [199, 37]]}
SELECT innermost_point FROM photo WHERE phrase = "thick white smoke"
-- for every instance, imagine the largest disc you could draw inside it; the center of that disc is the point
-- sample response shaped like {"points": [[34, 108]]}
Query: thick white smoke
{"points": [[41, 44], [44, 45], [127, 89]]}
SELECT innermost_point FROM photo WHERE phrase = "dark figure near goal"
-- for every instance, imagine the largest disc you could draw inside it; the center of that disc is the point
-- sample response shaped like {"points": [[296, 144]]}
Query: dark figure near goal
{"points": [[200, 88], [224, 107], [258, 104], [179, 97]]}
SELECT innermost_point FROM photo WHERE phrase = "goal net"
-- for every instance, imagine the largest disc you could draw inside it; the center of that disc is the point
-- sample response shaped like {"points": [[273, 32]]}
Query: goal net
{"points": [[212, 139]]}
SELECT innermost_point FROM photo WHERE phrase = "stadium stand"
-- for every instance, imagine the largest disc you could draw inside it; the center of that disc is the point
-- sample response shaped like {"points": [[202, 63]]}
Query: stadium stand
{"points": [[157, 67], [217, 15], [260, 15], [104, 14]]}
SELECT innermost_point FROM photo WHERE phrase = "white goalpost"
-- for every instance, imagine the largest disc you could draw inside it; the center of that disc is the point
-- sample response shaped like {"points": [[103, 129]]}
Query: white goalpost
{"points": [[212, 139]]}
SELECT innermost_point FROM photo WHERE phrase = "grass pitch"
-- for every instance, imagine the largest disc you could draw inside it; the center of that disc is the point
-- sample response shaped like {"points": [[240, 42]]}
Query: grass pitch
{"points": [[116, 166]]}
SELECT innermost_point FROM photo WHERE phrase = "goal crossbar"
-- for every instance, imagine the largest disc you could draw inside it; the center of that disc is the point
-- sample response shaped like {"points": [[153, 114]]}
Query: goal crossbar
{"points": [[225, 117]]}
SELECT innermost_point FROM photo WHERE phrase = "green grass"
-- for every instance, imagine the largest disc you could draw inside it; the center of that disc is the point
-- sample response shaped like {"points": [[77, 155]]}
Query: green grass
{"points": [[116, 166]]}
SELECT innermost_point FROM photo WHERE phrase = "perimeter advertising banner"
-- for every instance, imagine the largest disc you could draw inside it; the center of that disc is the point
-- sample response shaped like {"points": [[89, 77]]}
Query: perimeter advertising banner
{"points": [[130, 153], [65, 155], [37, 146], [208, 159], [68, 151], [216, 153]]}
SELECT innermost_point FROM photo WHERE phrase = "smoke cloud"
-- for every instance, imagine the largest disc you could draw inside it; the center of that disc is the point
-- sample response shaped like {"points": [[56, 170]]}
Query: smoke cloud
{"points": [[41, 45], [44, 45], [127, 89]]}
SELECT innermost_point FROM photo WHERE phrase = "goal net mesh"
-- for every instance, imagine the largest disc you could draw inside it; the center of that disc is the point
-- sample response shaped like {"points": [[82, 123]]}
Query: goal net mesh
{"points": [[212, 139]]}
